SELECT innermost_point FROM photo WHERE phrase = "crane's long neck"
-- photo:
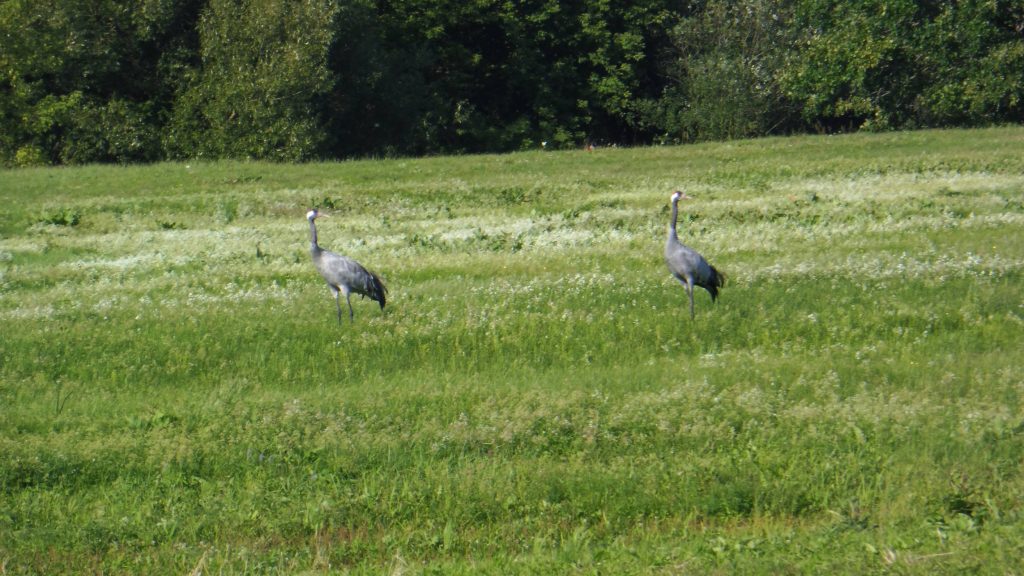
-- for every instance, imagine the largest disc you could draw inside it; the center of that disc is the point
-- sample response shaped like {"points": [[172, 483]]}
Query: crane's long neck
{"points": [[313, 246], [672, 225]]}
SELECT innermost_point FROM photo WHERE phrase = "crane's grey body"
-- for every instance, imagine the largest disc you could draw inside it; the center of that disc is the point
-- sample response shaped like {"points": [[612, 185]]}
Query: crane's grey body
{"points": [[343, 275], [686, 264]]}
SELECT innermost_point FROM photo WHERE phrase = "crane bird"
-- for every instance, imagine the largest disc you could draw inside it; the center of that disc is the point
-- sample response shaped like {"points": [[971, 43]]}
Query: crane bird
{"points": [[686, 264], [343, 275]]}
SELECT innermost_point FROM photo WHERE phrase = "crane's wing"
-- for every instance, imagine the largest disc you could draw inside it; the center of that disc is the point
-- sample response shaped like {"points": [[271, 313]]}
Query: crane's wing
{"points": [[338, 270], [683, 261], [686, 263]]}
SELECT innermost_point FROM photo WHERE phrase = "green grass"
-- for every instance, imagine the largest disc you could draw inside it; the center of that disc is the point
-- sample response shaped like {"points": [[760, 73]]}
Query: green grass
{"points": [[176, 395]]}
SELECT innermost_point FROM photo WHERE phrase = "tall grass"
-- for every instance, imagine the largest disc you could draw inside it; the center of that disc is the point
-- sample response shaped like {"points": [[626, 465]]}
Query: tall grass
{"points": [[176, 394]]}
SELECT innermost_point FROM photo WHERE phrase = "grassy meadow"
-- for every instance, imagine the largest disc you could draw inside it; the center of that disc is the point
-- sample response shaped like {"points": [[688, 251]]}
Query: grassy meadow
{"points": [[177, 396]]}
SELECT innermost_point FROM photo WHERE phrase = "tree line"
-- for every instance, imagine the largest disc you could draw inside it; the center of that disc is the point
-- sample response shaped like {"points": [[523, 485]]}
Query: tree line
{"points": [[292, 80]]}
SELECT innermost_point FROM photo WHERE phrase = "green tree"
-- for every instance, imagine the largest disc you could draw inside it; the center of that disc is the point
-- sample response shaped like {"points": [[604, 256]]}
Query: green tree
{"points": [[724, 73], [82, 80], [973, 53], [139, 80], [258, 88], [494, 75], [852, 62], [902, 64], [621, 42], [379, 100]]}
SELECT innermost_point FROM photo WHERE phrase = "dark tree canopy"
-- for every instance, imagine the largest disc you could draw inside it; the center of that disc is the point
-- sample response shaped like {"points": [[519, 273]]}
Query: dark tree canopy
{"points": [[143, 80]]}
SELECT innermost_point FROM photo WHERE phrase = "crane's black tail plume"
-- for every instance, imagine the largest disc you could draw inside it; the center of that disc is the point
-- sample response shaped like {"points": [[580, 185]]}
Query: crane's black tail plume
{"points": [[377, 290], [716, 281]]}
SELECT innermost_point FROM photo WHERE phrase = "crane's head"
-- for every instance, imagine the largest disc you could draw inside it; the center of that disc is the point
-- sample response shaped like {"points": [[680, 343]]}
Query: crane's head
{"points": [[312, 214], [679, 194]]}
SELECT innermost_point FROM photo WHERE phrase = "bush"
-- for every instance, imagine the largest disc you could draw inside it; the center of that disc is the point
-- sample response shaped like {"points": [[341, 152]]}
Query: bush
{"points": [[728, 55], [116, 131], [257, 90], [29, 155]]}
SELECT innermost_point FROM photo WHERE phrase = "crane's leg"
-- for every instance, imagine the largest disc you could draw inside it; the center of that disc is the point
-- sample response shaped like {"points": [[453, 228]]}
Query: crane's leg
{"points": [[689, 292], [348, 299], [688, 286], [337, 301]]}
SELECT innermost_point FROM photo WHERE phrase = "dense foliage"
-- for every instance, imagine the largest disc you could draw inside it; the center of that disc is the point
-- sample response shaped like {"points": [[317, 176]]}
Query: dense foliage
{"points": [[140, 80]]}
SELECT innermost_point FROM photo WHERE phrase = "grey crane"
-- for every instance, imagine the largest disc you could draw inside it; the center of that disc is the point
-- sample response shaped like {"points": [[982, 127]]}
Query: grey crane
{"points": [[343, 275], [686, 264]]}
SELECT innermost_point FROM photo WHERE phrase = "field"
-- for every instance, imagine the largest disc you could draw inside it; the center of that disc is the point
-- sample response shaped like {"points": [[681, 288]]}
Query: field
{"points": [[177, 395]]}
